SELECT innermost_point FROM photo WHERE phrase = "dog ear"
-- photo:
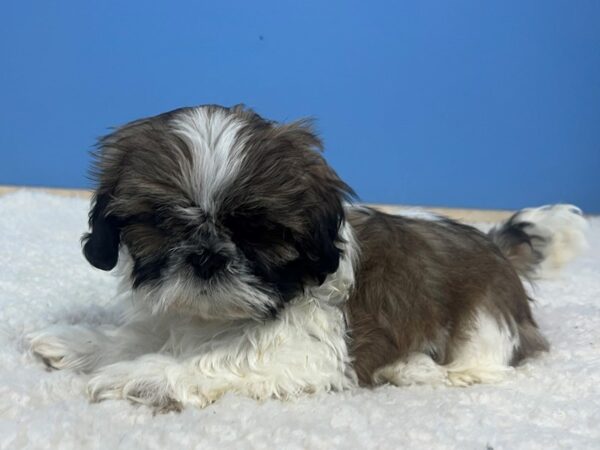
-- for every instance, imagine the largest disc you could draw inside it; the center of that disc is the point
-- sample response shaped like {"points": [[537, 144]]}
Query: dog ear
{"points": [[322, 254], [323, 194], [101, 244]]}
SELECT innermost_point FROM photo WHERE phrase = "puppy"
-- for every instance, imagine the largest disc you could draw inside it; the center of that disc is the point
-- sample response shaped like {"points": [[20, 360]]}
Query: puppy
{"points": [[246, 269]]}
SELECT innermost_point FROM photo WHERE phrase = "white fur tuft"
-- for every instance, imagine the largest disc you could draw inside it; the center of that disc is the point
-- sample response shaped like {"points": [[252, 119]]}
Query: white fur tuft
{"points": [[563, 229]]}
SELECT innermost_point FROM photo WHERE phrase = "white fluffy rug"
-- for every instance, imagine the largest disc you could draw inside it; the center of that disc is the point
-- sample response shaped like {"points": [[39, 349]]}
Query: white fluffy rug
{"points": [[551, 402]]}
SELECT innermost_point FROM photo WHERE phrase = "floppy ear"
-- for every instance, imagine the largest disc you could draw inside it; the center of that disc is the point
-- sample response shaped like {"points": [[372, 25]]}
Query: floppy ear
{"points": [[323, 194], [322, 252], [101, 244]]}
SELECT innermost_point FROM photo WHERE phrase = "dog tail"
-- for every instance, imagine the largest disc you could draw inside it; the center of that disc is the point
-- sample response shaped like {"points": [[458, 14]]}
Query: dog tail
{"points": [[539, 241]]}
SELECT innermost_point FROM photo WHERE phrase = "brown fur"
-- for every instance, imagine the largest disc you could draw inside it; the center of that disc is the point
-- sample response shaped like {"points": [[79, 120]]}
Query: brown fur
{"points": [[418, 285]]}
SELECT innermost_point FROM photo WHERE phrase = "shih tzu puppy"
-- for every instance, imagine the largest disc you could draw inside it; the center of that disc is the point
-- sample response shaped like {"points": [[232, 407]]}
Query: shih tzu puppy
{"points": [[247, 270]]}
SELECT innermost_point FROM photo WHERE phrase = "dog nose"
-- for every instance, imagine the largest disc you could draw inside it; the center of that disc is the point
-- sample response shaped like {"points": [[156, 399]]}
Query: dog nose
{"points": [[206, 264]]}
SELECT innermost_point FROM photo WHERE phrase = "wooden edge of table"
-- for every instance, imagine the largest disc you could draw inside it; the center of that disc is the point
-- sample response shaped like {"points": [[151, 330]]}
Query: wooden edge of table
{"points": [[80, 193]]}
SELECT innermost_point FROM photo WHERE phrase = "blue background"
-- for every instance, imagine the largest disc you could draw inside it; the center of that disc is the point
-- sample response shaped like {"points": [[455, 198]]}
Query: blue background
{"points": [[454, 103]]}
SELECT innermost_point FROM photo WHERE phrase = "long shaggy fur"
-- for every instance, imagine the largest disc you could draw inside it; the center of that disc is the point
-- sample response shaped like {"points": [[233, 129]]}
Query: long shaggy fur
{"points": [[540, 241], [246, 270]]}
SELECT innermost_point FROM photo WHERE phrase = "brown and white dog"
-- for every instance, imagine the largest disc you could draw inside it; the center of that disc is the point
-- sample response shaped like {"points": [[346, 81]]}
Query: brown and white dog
{"points": [[248, 270]]}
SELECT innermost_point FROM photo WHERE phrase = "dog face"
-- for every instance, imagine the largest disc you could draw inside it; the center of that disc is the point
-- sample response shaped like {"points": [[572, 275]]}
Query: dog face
{"points": [[215, 211]]}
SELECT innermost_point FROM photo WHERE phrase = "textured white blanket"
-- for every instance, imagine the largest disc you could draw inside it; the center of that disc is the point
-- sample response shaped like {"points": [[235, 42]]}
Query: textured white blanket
{"points": [[550, 402]]}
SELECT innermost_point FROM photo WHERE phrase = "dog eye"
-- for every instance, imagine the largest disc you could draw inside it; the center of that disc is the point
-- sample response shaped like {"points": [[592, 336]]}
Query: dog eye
{"points": [[164, 220], [244, 227], [255, 229]]}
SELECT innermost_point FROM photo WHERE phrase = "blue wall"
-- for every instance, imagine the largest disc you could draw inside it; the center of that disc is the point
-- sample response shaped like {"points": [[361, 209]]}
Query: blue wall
{"points": [[458, 103]]}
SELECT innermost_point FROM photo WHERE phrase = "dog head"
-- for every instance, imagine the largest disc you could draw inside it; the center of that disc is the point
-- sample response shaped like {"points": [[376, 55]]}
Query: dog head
{"points": [[215, 211]]}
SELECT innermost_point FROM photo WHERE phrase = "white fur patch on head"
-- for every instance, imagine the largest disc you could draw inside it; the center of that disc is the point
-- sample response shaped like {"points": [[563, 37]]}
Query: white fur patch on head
{"points": [[563, 229], [212, 136]]}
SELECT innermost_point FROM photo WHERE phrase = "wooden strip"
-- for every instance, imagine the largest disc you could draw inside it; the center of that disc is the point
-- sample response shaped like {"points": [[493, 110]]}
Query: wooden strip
{"points": [[81, 193]]}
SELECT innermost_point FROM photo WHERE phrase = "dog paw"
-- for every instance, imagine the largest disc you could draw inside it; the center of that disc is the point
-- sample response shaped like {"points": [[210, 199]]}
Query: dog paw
{"points": [[416, 369], [139, 382], [462, 379], [63, 347], [467, 377]]}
